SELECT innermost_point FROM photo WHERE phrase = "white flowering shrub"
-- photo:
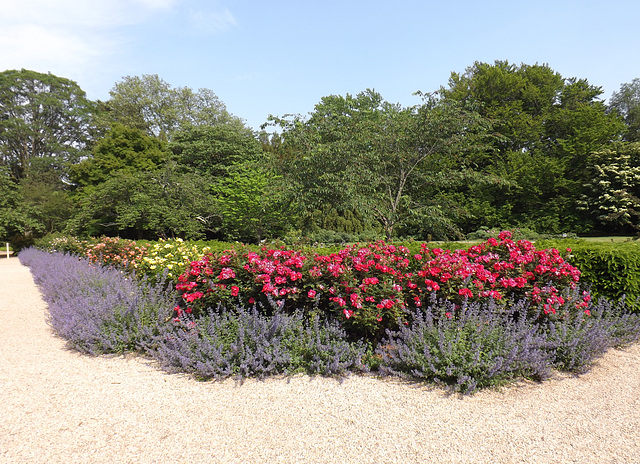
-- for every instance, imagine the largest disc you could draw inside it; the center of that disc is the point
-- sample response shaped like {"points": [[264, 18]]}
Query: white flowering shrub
{"points": [[613, 193]]}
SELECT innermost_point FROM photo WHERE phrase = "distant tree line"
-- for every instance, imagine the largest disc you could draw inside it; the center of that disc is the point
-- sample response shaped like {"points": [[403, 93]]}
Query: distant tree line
{"points": [[500, 146]]}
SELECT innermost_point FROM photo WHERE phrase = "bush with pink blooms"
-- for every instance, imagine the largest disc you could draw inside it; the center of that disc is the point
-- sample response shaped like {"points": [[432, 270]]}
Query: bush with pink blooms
{"points": [[370, 288]]}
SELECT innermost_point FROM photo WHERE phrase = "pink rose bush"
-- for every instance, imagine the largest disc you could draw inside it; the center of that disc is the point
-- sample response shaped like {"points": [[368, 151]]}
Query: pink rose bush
{"points": [[369, 288], [117, 252]]}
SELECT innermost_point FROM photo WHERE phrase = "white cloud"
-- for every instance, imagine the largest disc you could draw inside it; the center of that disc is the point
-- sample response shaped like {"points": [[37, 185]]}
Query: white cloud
{"points": [[213, 23], [90, 41], [26, 45], [70, 38]]}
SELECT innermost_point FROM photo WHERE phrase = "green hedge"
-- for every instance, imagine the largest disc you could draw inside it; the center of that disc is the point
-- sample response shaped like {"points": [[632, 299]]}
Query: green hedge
{"points": [[612, 269]]}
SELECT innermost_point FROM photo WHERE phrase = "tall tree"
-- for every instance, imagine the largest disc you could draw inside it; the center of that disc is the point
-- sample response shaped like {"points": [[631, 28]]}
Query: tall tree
{"points": [[122, 149], [364, 154], [213, 150], [42, 117], [150, 104], [548, 126], [163, 203], [15, 219], [612, 194], [627, 103]]}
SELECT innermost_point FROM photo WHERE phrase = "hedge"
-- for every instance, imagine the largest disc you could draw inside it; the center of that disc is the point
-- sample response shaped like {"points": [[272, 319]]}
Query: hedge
{"points": [[612, 269]]}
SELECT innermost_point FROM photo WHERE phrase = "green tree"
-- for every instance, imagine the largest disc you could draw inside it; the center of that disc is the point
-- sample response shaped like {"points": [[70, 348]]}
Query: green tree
{"points": [[49, 204], [152, 105], [15, 219], [364, 154], [214, 150], [627, 103], [165, 203], [122, 149], [251, 204], [42, 117], [613, 192], [548, 126]]}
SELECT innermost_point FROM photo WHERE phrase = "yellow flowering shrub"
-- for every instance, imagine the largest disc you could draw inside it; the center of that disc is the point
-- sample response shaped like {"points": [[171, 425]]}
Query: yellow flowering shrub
{"points": [[174, 255]]}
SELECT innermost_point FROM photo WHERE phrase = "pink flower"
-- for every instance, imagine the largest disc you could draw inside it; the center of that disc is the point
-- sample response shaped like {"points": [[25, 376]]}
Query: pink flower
{"points": [[504, 235], [465, 292], [431, 285], [348, 313], [234, 290], [227, 273], [311, 294]]}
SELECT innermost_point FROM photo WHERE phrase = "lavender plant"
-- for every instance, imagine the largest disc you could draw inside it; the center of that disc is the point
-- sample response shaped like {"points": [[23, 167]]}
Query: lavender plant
{"points": [[576, 343], [96, 309], [475, 345], [243, 343], [479, 347]]}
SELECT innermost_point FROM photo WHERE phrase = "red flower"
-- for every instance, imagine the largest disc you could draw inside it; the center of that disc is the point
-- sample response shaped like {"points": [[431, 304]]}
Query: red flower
{"points": [[465, 292]]}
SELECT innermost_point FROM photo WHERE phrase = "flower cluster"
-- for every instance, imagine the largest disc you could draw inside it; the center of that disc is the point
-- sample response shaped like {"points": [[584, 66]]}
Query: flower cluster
{"points": [[500, 269], [372, 287], [242, 276], [116, 252], [173, 255]]}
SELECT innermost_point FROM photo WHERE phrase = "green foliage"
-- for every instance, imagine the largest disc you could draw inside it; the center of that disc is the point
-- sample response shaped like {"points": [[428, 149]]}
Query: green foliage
{"points": [[612, 269], [378, 159], [42, 116], [157, 204], [150, 104], [214, 150], [58, 242], [548, 126], [15, 220], [626, 102], [122, 150], [249, 204]]}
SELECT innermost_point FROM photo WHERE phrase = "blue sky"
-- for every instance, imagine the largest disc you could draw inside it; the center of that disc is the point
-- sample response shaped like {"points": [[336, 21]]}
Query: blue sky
{"points": [[278, 57]]}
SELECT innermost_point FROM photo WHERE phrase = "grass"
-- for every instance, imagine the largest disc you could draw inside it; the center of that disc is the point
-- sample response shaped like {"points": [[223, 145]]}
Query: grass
{"points": [[611, 239]]}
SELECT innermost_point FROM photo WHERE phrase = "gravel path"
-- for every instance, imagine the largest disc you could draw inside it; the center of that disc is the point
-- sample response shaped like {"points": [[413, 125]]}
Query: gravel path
{"points": [[57, 406]]}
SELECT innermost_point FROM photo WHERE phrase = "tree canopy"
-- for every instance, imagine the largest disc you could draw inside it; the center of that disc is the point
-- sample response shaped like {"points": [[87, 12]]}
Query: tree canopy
{"points": [[626, 102], [42, 117], [547, 126], [501, 146], [365, 154], [152, 105]]}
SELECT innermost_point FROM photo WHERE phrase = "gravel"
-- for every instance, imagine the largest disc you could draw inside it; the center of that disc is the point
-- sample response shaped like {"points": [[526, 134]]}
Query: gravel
{"points": [[58, 406]]}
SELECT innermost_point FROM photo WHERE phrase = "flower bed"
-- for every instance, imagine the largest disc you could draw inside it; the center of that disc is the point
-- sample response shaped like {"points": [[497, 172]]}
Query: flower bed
{"points": [[371, 288], [467, 319]]}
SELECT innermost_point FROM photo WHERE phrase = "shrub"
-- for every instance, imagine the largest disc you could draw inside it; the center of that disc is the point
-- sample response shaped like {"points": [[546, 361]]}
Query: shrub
{"points": [[245, 343], [611, 269], [62, 243], [464, 344], [368, 288], [480, 347], [576, 343], [97, 309], [170, 256]]}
